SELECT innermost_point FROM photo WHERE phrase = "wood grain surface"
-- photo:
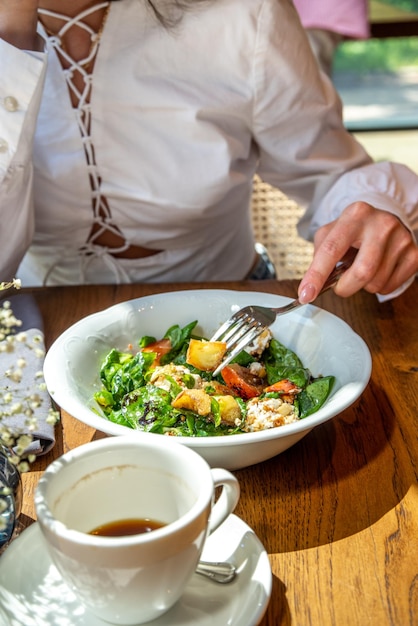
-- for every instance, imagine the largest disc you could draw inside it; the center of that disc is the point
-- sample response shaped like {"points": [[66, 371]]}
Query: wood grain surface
{"points": [[337, 512]]}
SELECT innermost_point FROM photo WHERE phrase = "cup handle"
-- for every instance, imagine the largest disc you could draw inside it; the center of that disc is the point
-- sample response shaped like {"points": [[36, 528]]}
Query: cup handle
{"points": [[227, 500]]}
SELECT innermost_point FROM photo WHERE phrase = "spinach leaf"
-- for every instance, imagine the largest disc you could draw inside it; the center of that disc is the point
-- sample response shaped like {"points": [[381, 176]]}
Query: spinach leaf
{"points": [[280, 363], [149, 408], [215, 410], [122, 373], [111, 364], [104, 398], [146, 340], [117, 417], [201, 427], [179, 338], [314, 396], [243, 358], [131, 375]]}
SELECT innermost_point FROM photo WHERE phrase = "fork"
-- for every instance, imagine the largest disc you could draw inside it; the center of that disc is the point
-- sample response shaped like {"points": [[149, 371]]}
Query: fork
{"points": [[244, 326]]}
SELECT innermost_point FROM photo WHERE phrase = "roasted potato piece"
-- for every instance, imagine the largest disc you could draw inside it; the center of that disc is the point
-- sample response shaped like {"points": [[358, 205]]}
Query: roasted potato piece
{"points": [[195, 400], [205, 355], [229, 409], [214, 388]]}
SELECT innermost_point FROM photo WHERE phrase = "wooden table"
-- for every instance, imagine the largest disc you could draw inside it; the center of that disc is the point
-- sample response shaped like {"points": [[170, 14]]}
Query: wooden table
{"points": [[338, 512]]}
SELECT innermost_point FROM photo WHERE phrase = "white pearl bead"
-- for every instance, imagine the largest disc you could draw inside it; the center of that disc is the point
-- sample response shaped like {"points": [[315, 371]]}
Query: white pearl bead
{"points": [[10, 104]]}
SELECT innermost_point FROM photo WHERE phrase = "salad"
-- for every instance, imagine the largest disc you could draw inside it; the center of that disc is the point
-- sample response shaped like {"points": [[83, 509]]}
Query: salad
{"points": [[167, 386]]}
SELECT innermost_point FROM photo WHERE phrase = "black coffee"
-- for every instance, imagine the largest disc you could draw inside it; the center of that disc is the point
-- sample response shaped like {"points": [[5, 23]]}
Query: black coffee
{"points": [[127, 527]]}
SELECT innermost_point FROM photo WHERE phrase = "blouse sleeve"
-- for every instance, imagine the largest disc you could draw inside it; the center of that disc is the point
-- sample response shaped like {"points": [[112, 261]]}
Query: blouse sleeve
{"points": [[21, 81], [304, 148]]}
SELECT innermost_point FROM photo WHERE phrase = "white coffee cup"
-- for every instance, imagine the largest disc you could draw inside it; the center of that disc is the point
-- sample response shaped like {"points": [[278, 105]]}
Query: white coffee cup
{"points": [[134, 578]]}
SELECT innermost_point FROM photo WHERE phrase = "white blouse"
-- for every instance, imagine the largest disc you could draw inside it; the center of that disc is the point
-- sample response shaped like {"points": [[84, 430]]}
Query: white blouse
{"points": [[180, 122]]}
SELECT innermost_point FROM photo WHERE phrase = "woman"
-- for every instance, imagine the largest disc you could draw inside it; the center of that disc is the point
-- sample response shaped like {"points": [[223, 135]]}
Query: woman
{"points": [[130, 145]]}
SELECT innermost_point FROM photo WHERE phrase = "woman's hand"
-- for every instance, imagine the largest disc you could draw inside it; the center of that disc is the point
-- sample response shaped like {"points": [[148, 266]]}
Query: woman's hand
{"points": [[18, 19], [387, 255]]}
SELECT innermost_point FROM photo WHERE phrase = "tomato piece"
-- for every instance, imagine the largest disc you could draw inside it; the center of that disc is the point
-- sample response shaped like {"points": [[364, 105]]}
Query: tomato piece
{"points": [[161, 347], [241, 381], [286, 388], [283, 386]]}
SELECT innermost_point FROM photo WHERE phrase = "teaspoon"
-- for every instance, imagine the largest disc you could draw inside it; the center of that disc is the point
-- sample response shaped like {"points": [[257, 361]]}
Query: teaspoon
{"points": [[220, 572]]}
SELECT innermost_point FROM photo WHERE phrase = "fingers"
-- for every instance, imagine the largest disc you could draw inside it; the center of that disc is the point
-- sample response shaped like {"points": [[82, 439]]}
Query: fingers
{"points": [[406, 266], [387, 255]]}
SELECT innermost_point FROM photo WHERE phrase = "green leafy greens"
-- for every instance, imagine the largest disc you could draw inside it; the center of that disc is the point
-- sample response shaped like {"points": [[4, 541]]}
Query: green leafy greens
{"points": [[132, 397]]}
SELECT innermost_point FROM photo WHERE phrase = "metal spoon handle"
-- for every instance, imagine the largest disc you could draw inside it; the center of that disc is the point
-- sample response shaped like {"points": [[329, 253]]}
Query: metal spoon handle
{"points": [[221, 572]]}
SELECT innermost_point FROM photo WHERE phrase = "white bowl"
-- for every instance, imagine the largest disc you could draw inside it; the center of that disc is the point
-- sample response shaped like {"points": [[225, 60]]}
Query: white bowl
{"points": [[325, 343]]}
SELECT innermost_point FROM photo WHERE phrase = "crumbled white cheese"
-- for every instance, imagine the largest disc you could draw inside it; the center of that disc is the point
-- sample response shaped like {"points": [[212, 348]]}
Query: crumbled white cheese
{"points": [[257, 369], [263, 413], [161, 373], [260, 343]]}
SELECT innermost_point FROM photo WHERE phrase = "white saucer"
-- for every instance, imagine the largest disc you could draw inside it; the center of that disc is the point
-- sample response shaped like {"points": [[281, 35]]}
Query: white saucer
{"points": [[32, 593]]}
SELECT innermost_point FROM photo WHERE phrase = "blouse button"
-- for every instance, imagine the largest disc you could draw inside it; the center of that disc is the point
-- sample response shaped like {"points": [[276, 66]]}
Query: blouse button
{"points": [[4, 146], [10, 104]]}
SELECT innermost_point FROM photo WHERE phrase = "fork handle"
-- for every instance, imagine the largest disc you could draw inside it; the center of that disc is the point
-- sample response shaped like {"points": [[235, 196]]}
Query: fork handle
{"points": [[332, 279]]}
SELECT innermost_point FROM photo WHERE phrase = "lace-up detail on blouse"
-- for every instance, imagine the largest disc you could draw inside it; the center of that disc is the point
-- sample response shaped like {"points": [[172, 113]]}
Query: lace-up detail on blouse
{"points": [[80, 93]]}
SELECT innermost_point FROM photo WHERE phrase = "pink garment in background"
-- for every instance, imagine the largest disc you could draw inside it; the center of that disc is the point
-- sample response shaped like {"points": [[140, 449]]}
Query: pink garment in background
{"points": [[347, 17]]}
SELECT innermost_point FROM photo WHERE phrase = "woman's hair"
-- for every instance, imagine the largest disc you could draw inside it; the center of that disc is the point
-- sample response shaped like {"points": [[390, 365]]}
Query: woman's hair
{"points": [[170, 12]]}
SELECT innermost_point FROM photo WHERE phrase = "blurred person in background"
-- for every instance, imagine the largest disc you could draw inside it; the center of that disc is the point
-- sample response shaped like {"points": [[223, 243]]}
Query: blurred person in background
{"points": [[329, 22]]}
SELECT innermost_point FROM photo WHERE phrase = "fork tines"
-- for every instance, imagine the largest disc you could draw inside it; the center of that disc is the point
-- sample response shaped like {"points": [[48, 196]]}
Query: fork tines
{"points": [[238, 332]]}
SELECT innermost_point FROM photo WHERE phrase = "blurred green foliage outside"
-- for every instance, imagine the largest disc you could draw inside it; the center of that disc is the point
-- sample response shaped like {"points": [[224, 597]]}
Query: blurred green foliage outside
{"points": [[377, 55], [380, 55], [407, 5]]}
